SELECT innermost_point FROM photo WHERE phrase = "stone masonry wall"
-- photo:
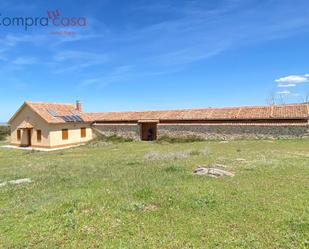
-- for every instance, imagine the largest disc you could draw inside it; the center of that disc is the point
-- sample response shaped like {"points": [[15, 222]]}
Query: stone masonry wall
{"points": [[203, 131], [231, 131], [121, 130]]}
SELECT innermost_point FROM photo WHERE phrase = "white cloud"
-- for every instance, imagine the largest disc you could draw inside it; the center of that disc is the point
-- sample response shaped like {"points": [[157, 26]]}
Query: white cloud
{"points": [[286, 85], [293, 79], [285, 92]]}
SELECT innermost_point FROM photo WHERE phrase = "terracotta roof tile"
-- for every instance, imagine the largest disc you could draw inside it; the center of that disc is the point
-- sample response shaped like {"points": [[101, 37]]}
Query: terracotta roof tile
{"points": [[41, 108], [293, 111]]}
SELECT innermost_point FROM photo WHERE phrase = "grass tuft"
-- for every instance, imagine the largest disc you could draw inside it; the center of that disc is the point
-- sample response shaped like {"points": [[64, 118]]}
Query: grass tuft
{"points": [[173, 168], [207, 200], [143, 194]]}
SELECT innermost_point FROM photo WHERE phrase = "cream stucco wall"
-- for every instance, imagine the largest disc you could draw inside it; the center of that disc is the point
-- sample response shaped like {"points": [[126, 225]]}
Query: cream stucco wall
{"points": [[74, 132], [51, 133], [26, 114]]}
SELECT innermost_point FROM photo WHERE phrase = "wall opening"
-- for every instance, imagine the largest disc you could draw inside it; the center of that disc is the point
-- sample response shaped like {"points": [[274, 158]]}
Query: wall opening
{"points": [[26, 138], [148, 131]]}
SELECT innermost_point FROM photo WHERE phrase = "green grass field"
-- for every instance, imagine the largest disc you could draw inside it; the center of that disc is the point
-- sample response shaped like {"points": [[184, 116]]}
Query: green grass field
{"points": [[143, 195]]}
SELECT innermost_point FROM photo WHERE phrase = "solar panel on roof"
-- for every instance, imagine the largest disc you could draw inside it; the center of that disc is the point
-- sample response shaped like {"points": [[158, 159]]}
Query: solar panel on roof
{"points": [[72, 118], [52, 112], [78, 118], [65, 118]]}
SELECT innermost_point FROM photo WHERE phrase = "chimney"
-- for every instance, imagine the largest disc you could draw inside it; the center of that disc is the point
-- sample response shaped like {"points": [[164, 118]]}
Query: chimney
{"points": [[78, 105]]}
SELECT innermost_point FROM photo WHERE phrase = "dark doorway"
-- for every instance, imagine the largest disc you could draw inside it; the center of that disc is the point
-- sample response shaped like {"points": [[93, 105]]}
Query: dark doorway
{"points": [[149, 131], [29, 137]]}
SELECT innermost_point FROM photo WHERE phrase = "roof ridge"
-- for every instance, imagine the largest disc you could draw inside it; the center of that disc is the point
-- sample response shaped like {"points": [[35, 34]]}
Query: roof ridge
{"points": [[207, 108], [51, 103]]}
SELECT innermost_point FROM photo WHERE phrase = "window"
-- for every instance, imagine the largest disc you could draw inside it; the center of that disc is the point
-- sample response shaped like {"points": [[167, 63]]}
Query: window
{"points": [[39, 135], [18, 135], [83, 132], [65, 134]]}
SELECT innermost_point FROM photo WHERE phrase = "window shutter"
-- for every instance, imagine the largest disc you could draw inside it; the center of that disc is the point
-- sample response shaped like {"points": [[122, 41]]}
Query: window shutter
{"points": [[39, 135], [65, 134], [18, 134], [83, 132]]}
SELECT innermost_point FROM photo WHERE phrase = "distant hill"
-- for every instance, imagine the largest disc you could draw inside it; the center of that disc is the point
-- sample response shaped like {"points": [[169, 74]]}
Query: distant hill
{"points": [[3, 124]]}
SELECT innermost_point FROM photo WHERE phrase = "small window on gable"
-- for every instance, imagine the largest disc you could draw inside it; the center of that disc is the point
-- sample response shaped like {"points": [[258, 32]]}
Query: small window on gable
{"points": [[83, 132], [65, 134], [39, 135], [18, 134]]}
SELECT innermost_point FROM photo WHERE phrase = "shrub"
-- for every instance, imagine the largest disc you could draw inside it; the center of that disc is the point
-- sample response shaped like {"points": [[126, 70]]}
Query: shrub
{"points": [[104, 140], [4, 132], [188, 139]]}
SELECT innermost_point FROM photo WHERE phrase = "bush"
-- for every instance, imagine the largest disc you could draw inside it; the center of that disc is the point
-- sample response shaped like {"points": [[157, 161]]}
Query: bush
{"points": [[4, 132], [188, 139], [103, 140]]}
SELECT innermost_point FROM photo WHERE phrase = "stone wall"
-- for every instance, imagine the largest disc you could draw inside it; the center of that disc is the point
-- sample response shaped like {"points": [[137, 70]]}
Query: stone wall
{"points": [[131, 131], [203, 131], [231, 131]]}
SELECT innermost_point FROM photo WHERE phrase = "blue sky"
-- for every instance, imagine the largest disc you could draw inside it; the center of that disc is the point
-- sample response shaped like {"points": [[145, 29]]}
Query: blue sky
{"points": [[139, 55]]}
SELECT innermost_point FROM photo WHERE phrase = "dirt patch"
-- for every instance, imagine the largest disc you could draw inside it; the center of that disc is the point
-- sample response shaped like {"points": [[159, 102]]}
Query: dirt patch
{"points": [[89, 229], [155, 155], [151, 207]]}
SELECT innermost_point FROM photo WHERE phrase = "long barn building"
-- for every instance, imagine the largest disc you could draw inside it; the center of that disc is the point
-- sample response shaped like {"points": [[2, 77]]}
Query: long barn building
{"points": [[52, 125]]}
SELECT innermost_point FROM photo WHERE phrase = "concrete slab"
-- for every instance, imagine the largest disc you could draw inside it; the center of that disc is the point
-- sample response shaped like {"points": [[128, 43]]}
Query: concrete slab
{"points": [[37, 149]]}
